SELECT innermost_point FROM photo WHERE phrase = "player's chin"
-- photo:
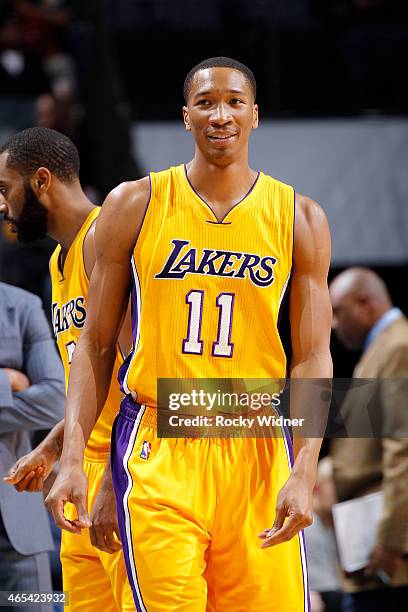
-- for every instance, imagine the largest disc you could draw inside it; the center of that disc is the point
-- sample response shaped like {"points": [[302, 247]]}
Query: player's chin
{"points": [[225, 154]]}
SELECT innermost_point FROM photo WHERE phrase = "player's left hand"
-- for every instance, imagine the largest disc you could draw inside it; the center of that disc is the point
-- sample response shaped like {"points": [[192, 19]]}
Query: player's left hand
{"points": [[294, 503], [104, 531], [383, 559]]}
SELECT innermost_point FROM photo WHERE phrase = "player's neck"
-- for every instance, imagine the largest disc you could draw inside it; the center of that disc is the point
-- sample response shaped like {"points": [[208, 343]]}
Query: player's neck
{"points": [[221, 186], [67, 214]]}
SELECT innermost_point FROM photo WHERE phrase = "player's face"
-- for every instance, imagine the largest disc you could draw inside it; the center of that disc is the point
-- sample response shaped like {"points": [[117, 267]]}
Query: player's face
{"points": [[20, 206], [221, 113]]}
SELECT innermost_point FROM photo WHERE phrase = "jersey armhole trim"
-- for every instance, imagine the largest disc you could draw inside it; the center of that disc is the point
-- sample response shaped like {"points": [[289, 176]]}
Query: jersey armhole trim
{"points": [[147, 208], [83, 247]]}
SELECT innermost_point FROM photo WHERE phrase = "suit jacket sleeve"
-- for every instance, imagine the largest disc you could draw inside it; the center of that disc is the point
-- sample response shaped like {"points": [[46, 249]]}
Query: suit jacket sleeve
{"points": [[42, 405], [393, 528]]}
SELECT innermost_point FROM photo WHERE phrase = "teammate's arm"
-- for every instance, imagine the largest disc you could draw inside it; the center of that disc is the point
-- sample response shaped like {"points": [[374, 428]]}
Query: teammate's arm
{"points": [[91, 370], [310, 317], [104, 532]]}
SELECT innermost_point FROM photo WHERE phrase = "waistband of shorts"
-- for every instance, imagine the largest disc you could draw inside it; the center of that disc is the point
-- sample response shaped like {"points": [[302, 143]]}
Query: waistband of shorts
{"points": [[129, 409], [100, 455]]}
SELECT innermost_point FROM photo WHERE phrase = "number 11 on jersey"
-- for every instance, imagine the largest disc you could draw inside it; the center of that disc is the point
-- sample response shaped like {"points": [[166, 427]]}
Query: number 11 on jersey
{"points": [[193, 344]]}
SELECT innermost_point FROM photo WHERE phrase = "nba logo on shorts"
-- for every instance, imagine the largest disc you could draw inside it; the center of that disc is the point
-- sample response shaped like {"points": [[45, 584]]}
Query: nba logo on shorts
{"points": [[146, 448]]}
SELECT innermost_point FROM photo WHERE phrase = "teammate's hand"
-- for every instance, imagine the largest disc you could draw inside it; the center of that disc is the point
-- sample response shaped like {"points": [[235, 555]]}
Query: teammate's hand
{"points": [[104, 531], [30, 471], [71, 485], [18, 380], [294, 503]]}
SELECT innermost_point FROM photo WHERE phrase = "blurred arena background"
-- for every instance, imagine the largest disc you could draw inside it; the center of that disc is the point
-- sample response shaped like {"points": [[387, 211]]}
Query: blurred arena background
{"points": [[333, 99]]}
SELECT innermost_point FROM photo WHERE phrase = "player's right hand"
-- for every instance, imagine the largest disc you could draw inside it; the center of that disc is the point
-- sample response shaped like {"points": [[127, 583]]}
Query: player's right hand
{"points": [[71, 485], [30, 471]]}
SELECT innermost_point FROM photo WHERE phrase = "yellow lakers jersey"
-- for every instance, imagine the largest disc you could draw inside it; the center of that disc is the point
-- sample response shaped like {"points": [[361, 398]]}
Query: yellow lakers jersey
{"points": [[206, 294], [69, 301]]}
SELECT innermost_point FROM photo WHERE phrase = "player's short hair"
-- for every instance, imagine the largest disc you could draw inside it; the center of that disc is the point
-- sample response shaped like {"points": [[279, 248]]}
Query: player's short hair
{"points": [[219, 62], [36, 147]]}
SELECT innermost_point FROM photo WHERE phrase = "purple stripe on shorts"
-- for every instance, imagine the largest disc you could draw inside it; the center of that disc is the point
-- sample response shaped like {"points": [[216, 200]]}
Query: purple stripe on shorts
{"points": [[123, 435]]}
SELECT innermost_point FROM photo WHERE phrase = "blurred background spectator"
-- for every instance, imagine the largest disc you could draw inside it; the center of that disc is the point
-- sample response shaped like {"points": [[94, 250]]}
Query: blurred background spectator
{"points": [[364, 316]]}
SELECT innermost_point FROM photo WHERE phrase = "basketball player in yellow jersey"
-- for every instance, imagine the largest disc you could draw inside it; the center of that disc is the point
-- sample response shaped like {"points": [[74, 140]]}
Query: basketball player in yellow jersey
{"points": [[42, 194], [208, 248]]}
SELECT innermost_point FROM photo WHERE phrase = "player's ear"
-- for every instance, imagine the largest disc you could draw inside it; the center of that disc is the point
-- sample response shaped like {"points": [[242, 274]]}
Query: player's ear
{"points": [[186, 119], [255, 120], [41, 181]]}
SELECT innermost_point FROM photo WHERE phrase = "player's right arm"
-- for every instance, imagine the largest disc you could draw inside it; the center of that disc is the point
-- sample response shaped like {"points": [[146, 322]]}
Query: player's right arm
{"points": [[91, 370]]}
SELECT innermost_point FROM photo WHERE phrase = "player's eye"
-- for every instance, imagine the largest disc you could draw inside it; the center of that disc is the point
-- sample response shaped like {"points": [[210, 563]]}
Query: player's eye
{"points": [[203, 102], [236, 101]]}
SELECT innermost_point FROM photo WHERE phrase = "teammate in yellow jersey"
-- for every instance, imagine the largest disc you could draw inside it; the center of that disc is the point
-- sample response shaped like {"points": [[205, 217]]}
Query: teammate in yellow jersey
{"points": [[206, 524], [41, 194]]}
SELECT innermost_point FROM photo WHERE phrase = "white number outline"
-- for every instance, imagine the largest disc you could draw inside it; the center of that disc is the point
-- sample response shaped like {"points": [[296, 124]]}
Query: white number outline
{"points": [[195, 319]]}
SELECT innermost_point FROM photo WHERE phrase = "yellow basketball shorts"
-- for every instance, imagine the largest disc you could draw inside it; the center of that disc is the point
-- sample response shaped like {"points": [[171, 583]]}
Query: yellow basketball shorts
{"points": [[95, 580], [190, 511]]}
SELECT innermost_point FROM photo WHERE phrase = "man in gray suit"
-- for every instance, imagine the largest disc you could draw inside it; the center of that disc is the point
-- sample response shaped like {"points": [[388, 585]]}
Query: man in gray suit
{"points": [[32, 397]]}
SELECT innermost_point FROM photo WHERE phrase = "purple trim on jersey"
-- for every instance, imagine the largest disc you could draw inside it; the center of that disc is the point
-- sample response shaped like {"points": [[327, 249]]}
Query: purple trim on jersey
{"points": [[123, 369], [135, 322], [289, 281], [146, 209], [231, 344], [283, 298], [218, 222], [189, 323], [209, 207], [121, 436], [133, 306]]}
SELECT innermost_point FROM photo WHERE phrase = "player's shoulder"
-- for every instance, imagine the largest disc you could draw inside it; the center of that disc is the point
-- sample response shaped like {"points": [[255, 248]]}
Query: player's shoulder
{"points": [[312, 242], [129, 194], [122, 215], [308, 212]]}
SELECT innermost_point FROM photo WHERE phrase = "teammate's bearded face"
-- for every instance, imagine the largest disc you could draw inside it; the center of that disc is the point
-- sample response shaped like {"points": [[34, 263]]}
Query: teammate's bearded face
{"points": [[32, 222], [221, 113], [20, 206]]}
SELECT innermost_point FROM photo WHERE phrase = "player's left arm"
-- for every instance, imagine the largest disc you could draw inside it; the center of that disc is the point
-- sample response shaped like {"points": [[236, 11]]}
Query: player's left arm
{"points": [[310, 318]]}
